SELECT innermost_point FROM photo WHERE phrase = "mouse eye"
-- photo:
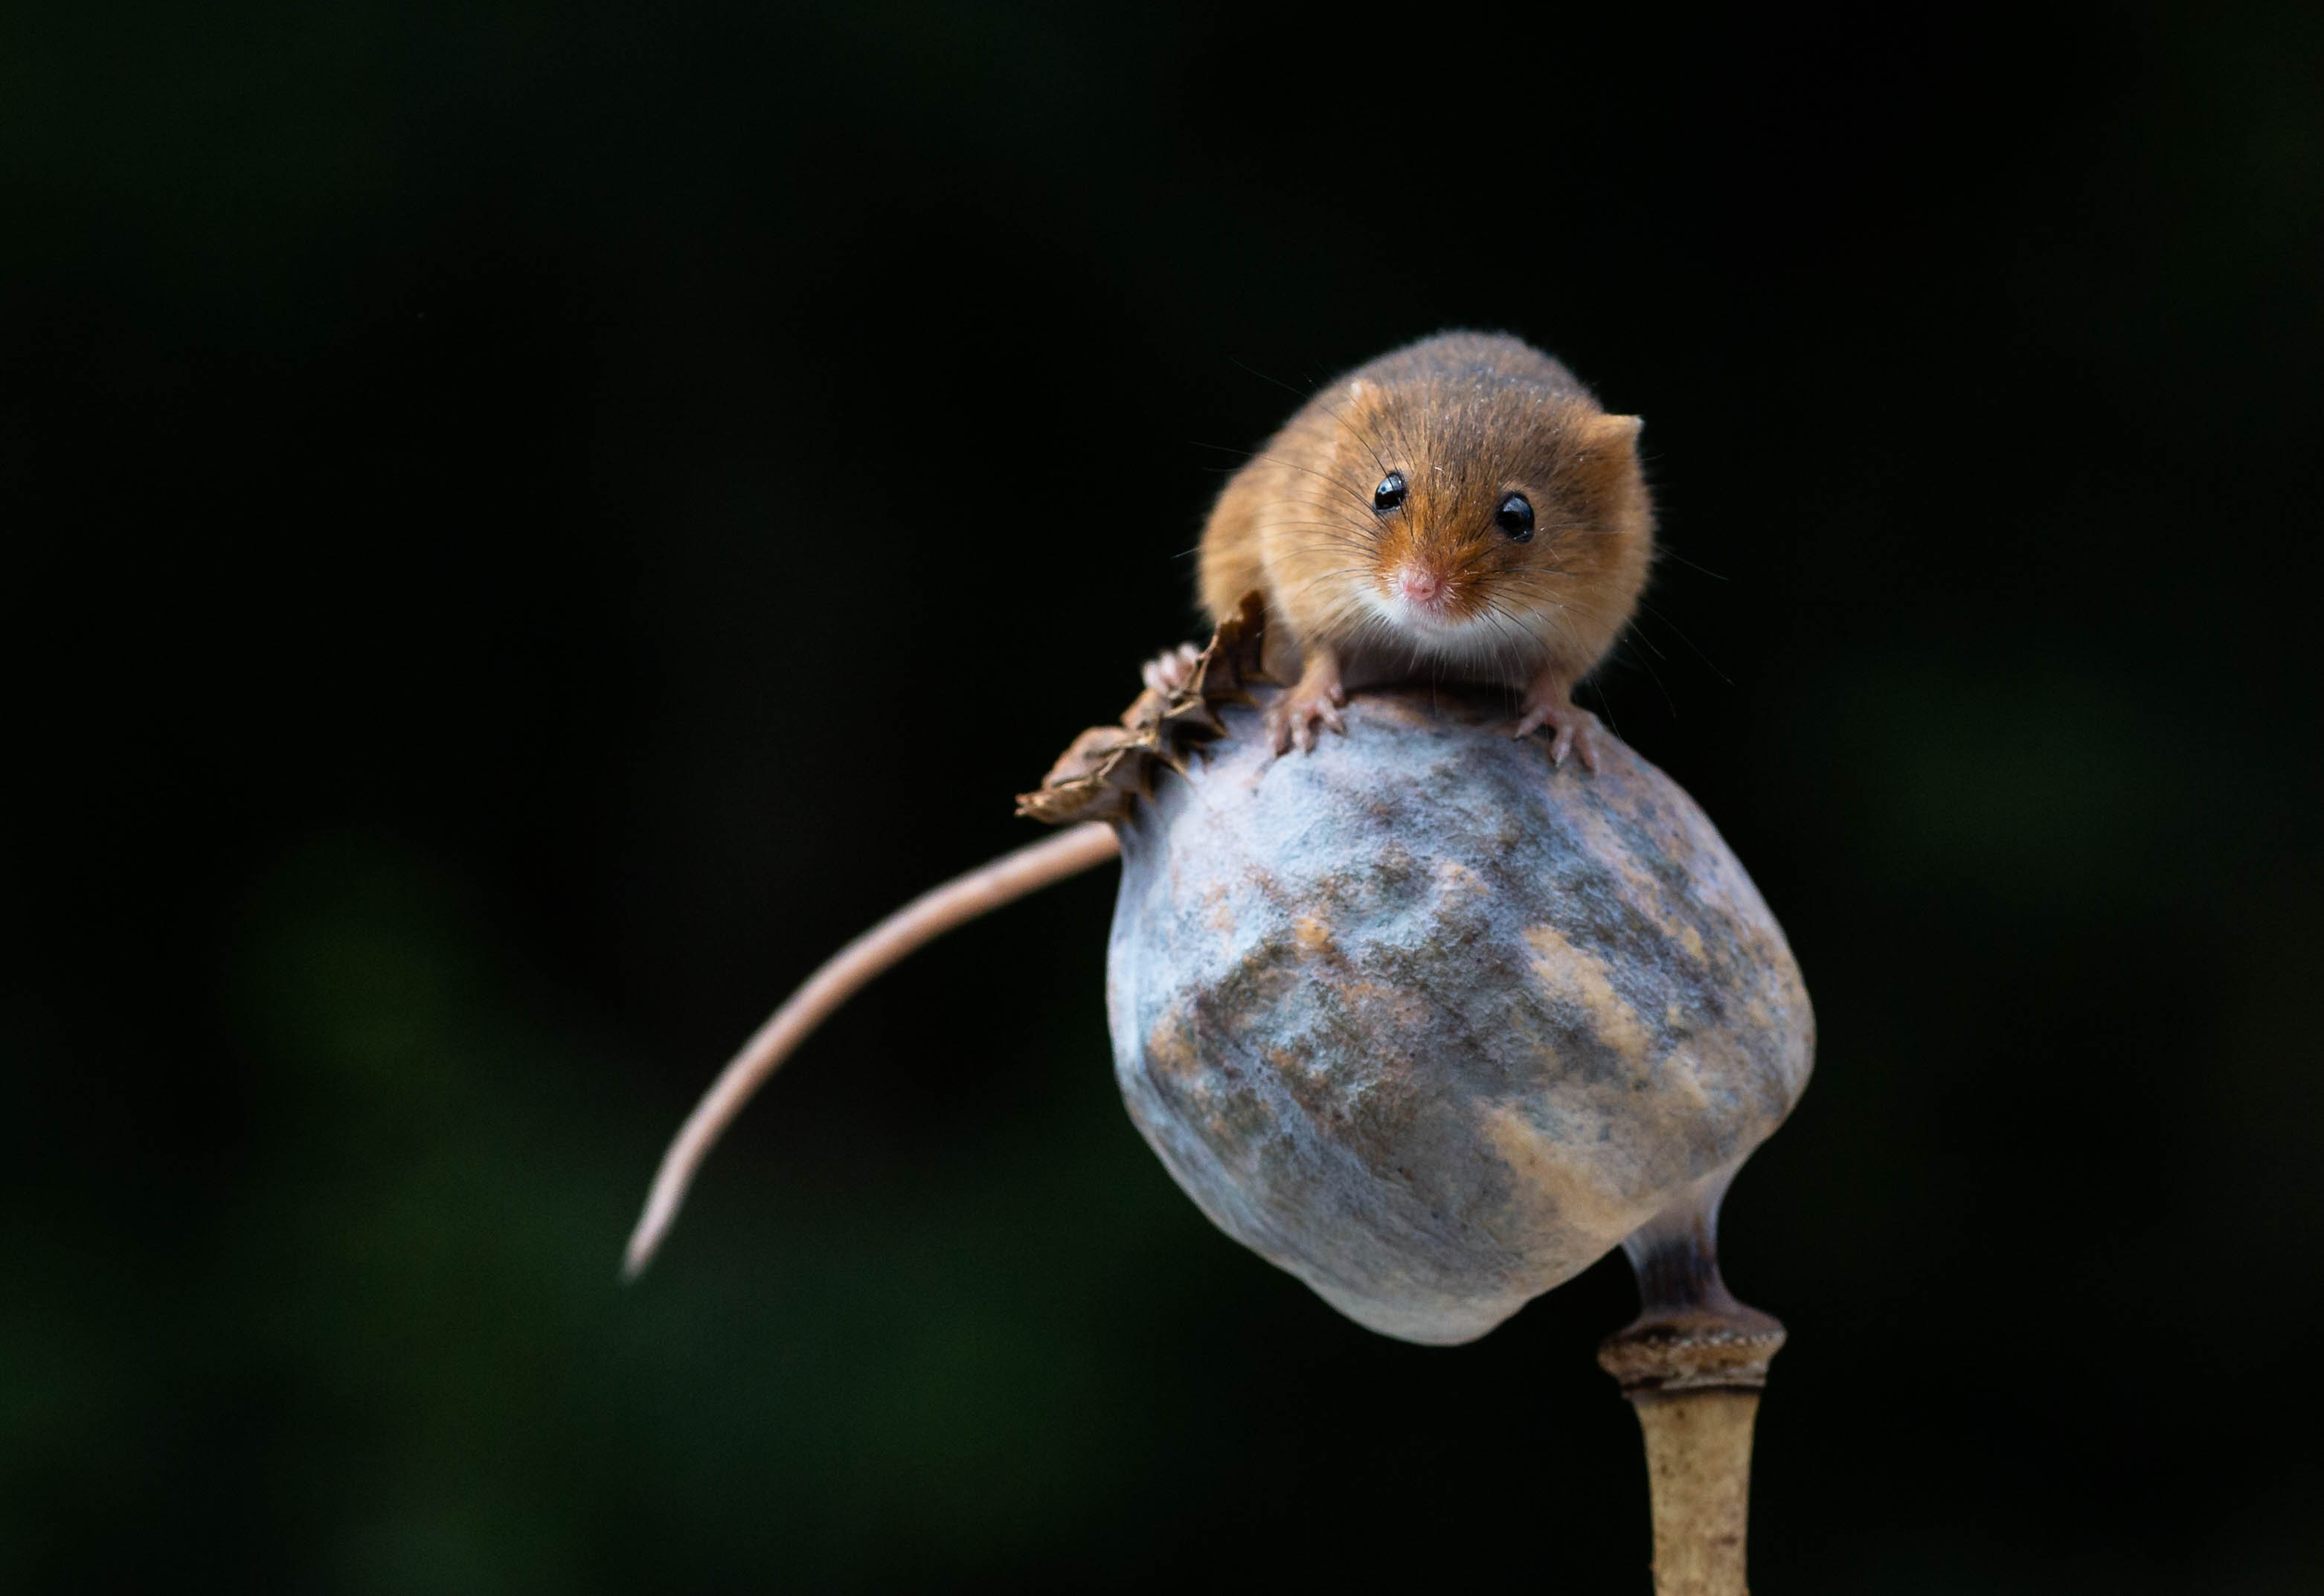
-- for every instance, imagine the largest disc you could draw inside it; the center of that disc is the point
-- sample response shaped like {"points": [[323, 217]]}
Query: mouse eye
{"points": [[1515, 517], [1390, 493]]}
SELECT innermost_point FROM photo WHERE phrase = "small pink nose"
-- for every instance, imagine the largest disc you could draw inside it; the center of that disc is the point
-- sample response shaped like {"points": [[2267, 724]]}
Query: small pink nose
{"points": [[1416, 586]]}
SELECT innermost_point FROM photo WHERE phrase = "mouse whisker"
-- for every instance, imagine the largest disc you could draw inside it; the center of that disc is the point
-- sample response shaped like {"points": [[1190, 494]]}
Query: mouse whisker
{"points": [[1357, 433], [1690, 642], [1617, 656], [1357, 494]]}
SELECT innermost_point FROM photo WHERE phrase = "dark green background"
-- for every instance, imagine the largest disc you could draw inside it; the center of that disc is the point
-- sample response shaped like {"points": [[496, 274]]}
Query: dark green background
{"points": [[526, 526]]}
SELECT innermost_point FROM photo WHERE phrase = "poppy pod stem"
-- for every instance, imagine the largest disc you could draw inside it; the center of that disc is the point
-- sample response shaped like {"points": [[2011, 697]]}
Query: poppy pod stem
{"points": [[1693, 1364]]}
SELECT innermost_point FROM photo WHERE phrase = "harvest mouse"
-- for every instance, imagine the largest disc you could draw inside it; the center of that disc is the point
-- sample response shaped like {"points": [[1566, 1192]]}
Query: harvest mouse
{"points": [[1460, 510]]}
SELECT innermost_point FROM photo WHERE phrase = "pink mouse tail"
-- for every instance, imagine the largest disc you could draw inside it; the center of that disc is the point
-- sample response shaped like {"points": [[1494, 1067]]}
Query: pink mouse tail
{"points": [[923, 919]]}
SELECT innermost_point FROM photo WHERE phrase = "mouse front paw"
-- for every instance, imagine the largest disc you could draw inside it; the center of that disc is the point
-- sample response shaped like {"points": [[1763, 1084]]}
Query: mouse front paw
{"points": [[1575, 727], [1294, 717]]}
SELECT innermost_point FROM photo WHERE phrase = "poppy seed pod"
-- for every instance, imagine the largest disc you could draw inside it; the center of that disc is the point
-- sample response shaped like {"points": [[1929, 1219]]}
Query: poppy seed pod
{"points": [[1417, 1016], [1427, 1021]]}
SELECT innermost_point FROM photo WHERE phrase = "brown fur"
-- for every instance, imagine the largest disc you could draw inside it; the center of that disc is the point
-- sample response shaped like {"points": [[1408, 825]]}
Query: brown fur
{"points": [[1468, 419]]}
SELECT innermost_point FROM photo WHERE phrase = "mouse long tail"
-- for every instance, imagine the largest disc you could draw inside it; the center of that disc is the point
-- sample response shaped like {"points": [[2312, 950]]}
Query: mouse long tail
{"points": [[923, 919]]}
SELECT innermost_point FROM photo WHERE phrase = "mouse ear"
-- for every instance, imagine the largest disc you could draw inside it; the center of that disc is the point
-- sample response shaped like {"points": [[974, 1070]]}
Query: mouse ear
{"points": [[1606, 465], [1614, 433], [1608, 447]]}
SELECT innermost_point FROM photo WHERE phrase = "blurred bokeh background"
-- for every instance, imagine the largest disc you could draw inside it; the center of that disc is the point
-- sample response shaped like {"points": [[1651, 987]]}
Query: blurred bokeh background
{"points": [[525, 525]]}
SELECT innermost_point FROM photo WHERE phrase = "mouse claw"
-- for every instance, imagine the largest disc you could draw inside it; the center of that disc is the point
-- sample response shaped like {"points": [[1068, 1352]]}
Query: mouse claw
{"points": [[1294, 718], [1168, 672], [1324, 714], [1575, 727]]}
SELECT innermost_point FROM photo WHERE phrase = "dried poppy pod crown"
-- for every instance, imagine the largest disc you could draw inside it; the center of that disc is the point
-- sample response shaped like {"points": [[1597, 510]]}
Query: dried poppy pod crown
{"points": [[1416, 1016]]}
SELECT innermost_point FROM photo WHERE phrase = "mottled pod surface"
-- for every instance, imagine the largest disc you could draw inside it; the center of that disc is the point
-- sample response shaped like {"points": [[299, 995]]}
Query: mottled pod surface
{"points": [[1430, 1023]]}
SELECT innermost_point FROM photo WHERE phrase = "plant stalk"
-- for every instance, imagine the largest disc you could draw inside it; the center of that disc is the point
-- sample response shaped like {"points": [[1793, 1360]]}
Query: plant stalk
{"points": [[1693, 1364]]}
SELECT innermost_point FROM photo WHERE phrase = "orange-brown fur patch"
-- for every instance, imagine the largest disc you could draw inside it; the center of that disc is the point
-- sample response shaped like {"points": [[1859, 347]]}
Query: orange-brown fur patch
{"points": [[1468, 419]]}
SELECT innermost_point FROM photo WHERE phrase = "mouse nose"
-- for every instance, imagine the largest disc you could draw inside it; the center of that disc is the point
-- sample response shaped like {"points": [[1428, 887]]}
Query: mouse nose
{"points": [[1418, 586]]}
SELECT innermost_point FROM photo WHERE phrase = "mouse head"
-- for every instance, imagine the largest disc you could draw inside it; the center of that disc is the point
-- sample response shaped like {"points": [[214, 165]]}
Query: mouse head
{"points": [[1506, 500]]}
